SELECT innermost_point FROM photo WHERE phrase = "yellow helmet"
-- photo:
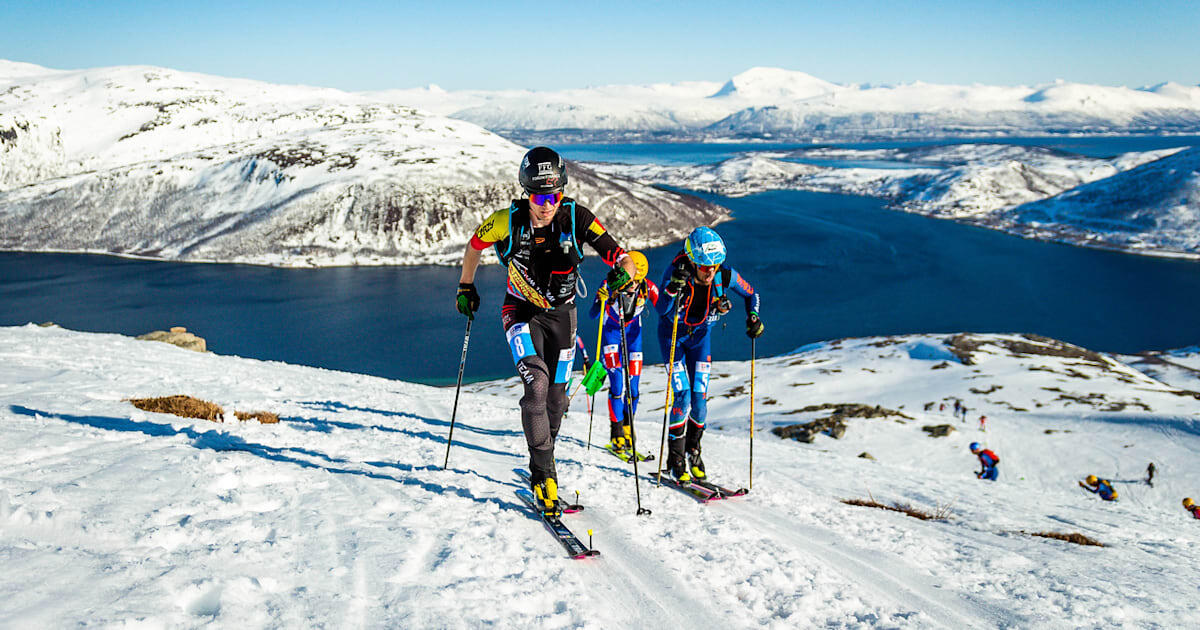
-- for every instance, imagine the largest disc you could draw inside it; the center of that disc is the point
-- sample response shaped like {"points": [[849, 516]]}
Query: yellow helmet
{"points": [[1188, 503], [642, 265], [1091, 480]]}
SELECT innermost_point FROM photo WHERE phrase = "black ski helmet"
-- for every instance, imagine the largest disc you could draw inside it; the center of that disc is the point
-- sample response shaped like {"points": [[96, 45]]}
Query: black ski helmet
{"points": [[543, 171]]}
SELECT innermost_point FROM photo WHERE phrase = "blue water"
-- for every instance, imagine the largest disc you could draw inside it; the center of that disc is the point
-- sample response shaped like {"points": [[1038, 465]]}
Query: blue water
{"points": [[828, 266], [697, 153]]}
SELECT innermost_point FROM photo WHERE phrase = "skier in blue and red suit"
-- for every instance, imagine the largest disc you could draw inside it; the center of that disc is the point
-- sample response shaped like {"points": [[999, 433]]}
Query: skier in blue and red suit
{"points": [[987, 462], [698, 283], [627, 304]]}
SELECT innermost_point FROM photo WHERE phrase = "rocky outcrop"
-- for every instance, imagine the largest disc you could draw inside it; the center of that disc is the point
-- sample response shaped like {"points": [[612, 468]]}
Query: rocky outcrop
{"points": [[178, 336]]}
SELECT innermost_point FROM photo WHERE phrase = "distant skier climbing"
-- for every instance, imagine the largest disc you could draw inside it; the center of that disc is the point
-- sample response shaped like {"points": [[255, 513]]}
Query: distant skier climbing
{"points": [[1102, 487], [1191, 506], [987, 462], [1150, 475]]}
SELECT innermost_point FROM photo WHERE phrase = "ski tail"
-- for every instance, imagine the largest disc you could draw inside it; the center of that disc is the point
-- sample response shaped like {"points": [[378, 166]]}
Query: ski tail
{"points": [[576, 550]]}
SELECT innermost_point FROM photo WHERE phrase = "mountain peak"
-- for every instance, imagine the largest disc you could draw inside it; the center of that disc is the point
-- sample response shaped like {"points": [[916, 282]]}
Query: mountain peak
{"points": [[775, 84]]}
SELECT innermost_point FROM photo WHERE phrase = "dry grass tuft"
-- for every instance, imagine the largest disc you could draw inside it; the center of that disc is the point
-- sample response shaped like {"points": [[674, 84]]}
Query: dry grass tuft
{"points": [[182, 406], [189, 407], [1077, 538], [264, 417], [942, 512]]}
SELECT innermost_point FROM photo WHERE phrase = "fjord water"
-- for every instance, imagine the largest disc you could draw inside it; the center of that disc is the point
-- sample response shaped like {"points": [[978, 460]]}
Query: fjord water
{"points": [[828, 266]]}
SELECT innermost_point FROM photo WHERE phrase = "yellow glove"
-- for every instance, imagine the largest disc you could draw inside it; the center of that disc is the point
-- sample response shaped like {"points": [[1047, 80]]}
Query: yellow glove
{"points": [[602, 292]]}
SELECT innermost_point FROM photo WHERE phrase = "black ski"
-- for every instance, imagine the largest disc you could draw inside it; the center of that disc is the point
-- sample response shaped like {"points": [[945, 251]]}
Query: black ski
{"points": [[575, 548], [698, 492], [725, 492]]}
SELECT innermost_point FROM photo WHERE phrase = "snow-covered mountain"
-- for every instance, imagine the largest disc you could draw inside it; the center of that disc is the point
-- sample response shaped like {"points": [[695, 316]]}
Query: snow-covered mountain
{"points": [[165, 164], [341, 514], [1144, 202], [789, 105]]}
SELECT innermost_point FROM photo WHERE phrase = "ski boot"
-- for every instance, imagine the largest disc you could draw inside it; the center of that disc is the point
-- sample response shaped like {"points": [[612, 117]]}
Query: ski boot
{"points": [[546, 493], [675, 462], [617, 440], [695, 464]]}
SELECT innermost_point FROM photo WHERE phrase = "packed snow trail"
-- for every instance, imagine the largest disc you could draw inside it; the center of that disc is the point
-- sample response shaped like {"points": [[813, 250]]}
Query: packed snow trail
{"points": [[342, 513]]}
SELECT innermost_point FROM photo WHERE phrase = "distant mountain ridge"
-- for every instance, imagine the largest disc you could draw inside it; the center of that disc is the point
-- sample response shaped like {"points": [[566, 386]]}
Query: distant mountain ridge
{"points": [[154, 162], [773, 103]]}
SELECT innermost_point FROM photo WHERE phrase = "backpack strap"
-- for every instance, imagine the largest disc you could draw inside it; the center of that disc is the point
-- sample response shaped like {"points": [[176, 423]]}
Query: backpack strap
{"points": [[516, 225], [576, 251]]}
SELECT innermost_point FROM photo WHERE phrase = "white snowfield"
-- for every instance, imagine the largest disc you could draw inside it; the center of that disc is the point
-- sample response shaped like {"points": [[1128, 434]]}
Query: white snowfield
{"points": [[789, 105], [152, 162], [342, 516], [1145, 202]]}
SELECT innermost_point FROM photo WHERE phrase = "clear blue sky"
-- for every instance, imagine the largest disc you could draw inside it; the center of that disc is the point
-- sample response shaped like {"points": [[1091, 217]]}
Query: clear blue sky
{"points": [[360, 45]]}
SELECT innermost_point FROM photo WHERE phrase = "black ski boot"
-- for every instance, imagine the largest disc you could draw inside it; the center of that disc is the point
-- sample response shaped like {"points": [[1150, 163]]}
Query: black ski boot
{"points": [[616, 436], [695, 464], [675, 461], [692, 446]]}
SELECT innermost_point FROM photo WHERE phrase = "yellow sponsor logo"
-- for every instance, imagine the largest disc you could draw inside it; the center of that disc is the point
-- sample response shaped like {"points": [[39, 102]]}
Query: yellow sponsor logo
{"points": [[596, 228], [531, 295]]}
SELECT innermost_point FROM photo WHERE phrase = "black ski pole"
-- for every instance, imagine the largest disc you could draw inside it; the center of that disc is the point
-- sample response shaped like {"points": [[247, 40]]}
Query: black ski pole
{"points": [[637, 487], [462, 363], [591, 401]]}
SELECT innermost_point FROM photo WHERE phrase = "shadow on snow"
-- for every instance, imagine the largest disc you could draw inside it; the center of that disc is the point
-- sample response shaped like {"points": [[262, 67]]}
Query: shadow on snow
{"points": [[219, 441]]}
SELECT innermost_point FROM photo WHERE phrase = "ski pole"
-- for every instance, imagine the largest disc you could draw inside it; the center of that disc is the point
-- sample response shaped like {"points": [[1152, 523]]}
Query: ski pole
{"points": [[628, 396], [670, 391], [592, 398], [462, 363], [752, 353]]}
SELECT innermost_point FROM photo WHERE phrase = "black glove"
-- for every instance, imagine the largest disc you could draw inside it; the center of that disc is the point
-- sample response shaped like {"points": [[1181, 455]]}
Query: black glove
{"points": [[679, 277], [617, 278], [468, 299], [754, 326]]}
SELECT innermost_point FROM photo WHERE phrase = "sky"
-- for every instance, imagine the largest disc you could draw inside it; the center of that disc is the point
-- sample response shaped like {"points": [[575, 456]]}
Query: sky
{"points": [[362, 45]]}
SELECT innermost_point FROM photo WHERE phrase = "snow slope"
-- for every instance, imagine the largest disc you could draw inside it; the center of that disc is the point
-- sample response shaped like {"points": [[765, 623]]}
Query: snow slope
{"points": [[341, 513], [1144, 202], [159, 163], [785, 104]]}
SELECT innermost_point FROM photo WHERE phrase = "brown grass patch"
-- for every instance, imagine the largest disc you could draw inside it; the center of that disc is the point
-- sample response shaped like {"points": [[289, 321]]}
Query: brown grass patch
{"points": [[942, 513], [182, 406], [264, 417], [1077, 538], [189, 407]]}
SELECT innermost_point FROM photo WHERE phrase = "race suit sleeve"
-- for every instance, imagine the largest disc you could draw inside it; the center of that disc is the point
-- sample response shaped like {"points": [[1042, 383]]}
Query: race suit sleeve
{"points": [[652, 292], [493, 229], [595, 235], [739, 286]]}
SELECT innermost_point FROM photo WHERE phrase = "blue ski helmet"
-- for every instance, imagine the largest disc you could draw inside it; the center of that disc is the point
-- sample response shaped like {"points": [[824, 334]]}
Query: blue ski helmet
{"points": [[974, 446], [704, 247]]}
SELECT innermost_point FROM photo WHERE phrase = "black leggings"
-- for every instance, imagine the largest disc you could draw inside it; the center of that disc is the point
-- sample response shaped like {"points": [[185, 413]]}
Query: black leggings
{"points": [[543, 347]]}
